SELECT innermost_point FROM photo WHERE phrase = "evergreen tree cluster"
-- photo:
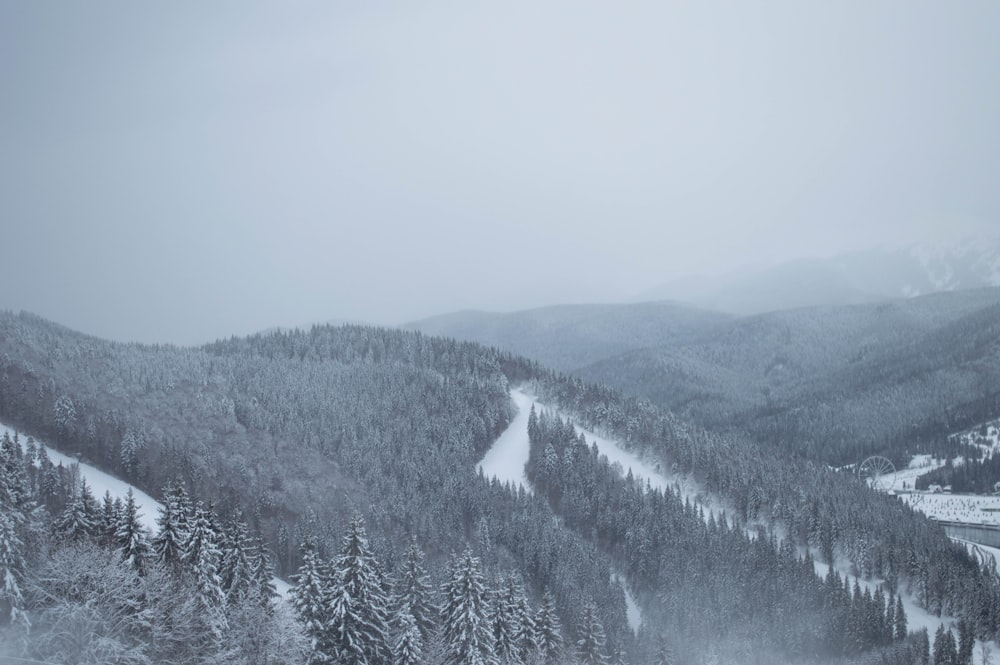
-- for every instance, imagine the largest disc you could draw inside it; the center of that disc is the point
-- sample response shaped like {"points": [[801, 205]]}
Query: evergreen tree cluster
{"points": [[656, 537], [354, 612], [88, 584]]}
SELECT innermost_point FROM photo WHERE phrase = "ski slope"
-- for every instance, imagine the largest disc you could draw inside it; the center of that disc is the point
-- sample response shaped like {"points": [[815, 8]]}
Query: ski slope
{"points": [[101, 482], [507, 456]]}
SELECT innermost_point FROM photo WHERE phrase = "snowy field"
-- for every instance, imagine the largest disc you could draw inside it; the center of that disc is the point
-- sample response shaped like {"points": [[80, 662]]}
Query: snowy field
{"points": [[969, 508], [985, 436], [905, 479], [101, 482], [507, 456]]}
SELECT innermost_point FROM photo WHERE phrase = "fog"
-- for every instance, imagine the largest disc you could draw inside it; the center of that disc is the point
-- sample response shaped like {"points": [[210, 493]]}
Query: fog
{"points": [[183, 172]]}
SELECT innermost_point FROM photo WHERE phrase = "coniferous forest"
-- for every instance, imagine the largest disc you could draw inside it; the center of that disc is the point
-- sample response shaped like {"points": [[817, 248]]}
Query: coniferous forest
{"points": [[343, 461]]}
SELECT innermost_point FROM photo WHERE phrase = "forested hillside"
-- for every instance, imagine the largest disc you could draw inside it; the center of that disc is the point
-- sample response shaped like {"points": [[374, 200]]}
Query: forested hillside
{"points": [[567, 337], [834, 384], [295, 433]]}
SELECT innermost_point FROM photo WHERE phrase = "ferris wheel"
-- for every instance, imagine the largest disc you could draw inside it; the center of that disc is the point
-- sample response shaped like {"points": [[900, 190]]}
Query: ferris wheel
{"points": [[878, 472]]}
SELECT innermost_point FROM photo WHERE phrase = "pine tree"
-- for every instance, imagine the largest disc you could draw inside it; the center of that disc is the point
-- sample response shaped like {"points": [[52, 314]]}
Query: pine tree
{"points": [[466, 628], [263, 575], [923, 647], [79, 521], [413, 591], [107, 521], [408, 649], [591, 641], [236, 570], [945, 652], [900, 627], [966, 642], [512, 623], [548, 635], [13, 504], [130, 537], [208, 584], [359, 618], [310, 602], [168, 545]]}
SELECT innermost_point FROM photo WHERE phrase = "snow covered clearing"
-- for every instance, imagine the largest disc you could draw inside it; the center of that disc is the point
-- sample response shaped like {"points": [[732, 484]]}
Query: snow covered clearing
{"points": [[632, 611], [905, 479], [507, 456], [985, 436], [101, 482], [968, 508]]}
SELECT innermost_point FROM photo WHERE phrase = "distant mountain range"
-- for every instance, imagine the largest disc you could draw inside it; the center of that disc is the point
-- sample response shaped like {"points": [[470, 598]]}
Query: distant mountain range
{"points": [[848, 279]]}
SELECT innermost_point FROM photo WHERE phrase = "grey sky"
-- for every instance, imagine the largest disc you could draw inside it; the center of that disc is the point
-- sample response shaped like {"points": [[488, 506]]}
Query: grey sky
{"points": [[186, 170]]}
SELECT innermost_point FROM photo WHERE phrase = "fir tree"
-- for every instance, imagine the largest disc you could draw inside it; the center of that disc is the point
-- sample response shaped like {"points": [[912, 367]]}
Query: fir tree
{"points": [[262, 575], [591, 641], [310, 602], [236, 570], [548, 635], [900, 627], [107, 521], [513, 625], [13, 502], [413, 591], [168, 545], [130, 537], [466, 628], [359, 617], [966, 642], [79, 521], [408, 649]]}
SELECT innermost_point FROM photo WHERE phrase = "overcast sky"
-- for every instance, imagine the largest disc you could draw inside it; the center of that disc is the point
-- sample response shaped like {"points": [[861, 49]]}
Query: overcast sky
{"points": [[181, 171]]}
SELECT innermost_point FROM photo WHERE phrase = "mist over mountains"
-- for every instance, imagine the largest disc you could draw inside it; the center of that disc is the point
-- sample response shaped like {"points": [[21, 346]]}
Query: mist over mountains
{"points": [[846, 279]]}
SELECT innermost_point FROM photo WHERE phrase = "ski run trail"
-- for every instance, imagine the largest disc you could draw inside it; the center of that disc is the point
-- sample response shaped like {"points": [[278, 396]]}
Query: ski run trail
{"points": [[101, 482], [505, 461]]}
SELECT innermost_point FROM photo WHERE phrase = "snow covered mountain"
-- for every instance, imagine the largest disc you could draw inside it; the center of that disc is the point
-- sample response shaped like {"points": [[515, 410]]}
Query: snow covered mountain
{"points": [[846, 279]]}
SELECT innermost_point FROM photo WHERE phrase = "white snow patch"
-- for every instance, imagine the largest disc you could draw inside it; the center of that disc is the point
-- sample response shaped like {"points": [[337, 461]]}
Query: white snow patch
{"points": [[968, 508], [507, 456], [101, 482], [632, 611]]}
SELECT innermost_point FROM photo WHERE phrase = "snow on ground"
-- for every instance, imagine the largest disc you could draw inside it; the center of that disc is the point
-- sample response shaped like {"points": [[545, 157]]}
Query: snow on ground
{"points": [[507, 456], [916, 616], [905, 479], [969, 508], [985, 436], [632, 611], [101, 482]]}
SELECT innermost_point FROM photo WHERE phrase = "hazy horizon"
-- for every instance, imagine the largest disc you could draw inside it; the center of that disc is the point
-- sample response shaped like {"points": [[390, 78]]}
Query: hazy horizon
{"points": [[187, 172]]}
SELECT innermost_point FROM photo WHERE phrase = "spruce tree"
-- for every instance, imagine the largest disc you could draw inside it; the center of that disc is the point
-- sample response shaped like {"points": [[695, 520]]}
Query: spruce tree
{"points": [[548, 635], [413, 591], [466, 630], [900, 626], [359, 608], [590, 643], [130, 536], [78, 521], [966, 642], [13, 504], [168, 545], [310, 602], [408, 649]]}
